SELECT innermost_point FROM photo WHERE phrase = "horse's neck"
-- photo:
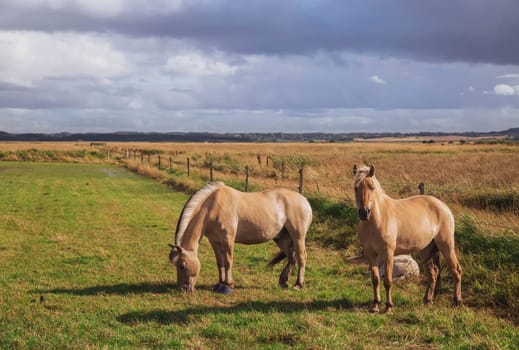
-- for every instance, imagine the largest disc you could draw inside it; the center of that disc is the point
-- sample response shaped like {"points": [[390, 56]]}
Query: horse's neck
{"points": [[381, 203], [194, 231]]}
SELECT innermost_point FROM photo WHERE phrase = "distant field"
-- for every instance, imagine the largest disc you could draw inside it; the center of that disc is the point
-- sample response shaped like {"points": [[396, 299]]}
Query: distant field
{"points": [[84, 265]]}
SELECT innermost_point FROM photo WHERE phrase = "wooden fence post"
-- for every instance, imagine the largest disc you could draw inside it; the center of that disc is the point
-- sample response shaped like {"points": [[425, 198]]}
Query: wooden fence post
{"points": [[149, 159], [211, 171], [170, 164], [188, 166], [246, 178], [142, 157], [301, 172], [421, 187], [282, 170], [159, 161]]}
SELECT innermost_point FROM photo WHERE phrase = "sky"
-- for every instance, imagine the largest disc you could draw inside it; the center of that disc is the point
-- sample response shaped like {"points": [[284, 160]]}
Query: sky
{"points": [[258, 65]]}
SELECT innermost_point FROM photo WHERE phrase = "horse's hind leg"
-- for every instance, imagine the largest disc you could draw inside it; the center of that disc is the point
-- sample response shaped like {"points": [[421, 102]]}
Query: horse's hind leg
{"points": [[456, 272], [284, 243], [449, 254], [300, 252], [430, 258]]}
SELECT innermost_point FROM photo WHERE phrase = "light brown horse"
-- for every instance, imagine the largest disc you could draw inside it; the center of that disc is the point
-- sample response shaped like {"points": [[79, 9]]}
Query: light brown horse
{"points": [[225, 216], [389, 227]]}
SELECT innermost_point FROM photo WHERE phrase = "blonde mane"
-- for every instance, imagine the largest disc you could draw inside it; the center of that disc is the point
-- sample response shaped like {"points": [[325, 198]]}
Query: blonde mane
{"points": [[189, 208], [362, 172]]}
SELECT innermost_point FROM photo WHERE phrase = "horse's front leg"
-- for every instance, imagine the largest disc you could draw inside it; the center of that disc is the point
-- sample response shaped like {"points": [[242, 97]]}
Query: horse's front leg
{"points": [[388, 282], [228, 279], [375, 281], [220, 262]]}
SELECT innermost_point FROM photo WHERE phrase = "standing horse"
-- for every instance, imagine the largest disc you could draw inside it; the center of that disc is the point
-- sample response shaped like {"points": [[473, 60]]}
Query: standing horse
{"points": [[227, 216], [389, 227]]}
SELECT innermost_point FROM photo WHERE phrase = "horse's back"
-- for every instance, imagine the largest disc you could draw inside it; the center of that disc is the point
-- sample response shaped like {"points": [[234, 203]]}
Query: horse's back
{"points": [[258, 216]]}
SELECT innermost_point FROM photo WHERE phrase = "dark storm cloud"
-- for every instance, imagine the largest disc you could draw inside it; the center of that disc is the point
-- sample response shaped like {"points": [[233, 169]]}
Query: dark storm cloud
{"points": [[459, 30]]}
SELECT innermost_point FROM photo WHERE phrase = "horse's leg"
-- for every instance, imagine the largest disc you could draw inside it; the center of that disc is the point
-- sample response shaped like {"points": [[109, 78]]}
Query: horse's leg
{"points": [[430, 259], [388, 281], [220, 262], [229, 248], [456, 272], [284, 243], [300, 252], [448, 252], [375, 281]]}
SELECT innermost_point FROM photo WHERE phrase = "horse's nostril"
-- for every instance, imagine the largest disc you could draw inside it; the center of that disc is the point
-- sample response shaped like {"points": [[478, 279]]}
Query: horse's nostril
{"points": [[364, 213]]}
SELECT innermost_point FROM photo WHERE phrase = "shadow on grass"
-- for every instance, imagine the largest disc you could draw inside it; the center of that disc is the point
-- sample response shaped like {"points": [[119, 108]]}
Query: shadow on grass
{"points": [[187, 315], [117, 289]]}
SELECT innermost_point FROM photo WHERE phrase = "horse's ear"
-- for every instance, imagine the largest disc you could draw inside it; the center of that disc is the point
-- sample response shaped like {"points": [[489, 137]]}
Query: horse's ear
{"points": [[371, 171], [176, 248], [354, 169]]}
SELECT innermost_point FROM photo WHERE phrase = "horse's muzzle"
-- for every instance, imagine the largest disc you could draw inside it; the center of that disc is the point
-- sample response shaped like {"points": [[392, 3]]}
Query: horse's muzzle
{"points": [[364, 213]]}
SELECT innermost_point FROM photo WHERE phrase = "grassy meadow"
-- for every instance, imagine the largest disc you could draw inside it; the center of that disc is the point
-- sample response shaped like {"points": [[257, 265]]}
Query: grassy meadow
{"points": [[83, 245]]}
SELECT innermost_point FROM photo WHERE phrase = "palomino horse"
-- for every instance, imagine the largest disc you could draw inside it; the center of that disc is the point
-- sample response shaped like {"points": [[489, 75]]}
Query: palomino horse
{"points": [[225, 216], [389, 227]]}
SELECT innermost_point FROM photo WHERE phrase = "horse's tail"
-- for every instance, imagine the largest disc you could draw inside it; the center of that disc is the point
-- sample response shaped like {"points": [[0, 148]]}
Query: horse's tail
{"points": [[436, 261], [278, 258]]}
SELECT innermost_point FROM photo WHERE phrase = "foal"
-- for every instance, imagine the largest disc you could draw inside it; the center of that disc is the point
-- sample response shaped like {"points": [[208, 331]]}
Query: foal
{"points": [[389, 227]]}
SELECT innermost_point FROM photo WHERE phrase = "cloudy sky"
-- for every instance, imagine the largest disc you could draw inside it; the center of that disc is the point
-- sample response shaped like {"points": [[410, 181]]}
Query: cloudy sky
{"points": [[258, 65]]}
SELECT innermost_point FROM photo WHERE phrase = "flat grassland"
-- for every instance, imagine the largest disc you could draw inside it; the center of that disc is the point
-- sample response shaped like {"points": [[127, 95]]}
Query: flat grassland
{"points": [[84, 255]]}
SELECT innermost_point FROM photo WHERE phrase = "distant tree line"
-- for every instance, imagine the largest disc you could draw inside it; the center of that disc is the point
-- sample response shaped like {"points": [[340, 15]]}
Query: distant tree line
{"points": [[232, 137]]}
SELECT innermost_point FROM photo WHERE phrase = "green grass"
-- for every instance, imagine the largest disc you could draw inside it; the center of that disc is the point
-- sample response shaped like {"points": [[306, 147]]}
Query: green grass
{"points": [[83, 252]]}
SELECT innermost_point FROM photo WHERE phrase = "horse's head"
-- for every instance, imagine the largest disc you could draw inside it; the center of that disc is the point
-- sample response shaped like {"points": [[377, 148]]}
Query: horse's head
{"points": [[364, 186], [188, 267]]}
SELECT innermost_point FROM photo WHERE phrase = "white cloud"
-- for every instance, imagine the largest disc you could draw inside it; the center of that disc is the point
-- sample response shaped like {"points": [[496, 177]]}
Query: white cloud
{"points": [[377, 80], [471, 89], [29, 57], [195, 64], [506, 90]]}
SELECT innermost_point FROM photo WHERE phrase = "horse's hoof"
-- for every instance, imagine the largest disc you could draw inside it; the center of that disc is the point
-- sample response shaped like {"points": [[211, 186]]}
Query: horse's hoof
{"points": [[389, 311], [283, 284], [374, 310], [298, 287], [222, 288], [226, 289], [218, 288]]}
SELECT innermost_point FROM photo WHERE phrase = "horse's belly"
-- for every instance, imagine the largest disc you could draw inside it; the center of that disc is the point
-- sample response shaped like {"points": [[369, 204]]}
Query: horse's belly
{"points": [[407, 244], [253, 234]]}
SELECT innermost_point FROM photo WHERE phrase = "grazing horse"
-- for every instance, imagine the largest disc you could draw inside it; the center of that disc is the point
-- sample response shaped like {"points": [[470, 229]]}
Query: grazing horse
{"points": [[227, 216], [389, 227]]}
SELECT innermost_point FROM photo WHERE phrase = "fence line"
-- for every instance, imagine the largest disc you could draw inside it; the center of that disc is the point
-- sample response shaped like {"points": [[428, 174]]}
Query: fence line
{"points": [[301, 184]]}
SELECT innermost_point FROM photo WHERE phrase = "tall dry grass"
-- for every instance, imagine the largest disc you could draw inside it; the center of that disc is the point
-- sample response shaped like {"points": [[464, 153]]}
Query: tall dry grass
{"points": [[478, 180]]}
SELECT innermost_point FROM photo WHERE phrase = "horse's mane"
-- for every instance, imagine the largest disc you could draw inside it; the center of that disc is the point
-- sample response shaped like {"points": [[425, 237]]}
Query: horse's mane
{"points": [[362, 172], [189, 208]]}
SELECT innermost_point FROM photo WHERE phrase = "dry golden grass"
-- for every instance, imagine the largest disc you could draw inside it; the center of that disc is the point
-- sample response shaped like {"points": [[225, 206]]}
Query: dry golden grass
{"points": [[463, 175]]}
